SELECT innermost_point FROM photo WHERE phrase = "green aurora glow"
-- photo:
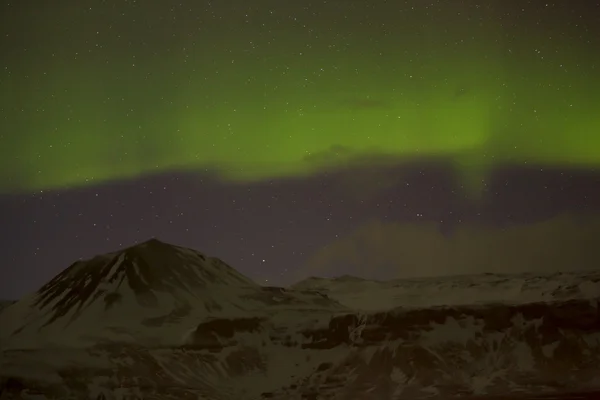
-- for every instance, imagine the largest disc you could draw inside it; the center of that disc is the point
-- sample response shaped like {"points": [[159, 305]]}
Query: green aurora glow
{"points": [[290, 110]]}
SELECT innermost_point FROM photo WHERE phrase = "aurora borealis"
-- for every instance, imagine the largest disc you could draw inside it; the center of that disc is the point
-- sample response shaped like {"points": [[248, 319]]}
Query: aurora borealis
{"points": [[338, 99], [271, 91]]}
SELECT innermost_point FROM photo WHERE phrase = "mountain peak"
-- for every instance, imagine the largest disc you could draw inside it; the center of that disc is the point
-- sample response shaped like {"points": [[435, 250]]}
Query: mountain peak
{"points": [[143, 273], [348, 278], [153, 241], [152, 247]]}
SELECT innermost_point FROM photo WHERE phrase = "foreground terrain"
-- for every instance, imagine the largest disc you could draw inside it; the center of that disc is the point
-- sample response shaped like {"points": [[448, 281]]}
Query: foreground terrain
{"points": [[157, 321]]}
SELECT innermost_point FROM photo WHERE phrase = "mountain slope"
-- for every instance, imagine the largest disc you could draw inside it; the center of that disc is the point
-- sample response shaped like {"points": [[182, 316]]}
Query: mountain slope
{"points": [[150, 294], [5, 303], [147, 270], [363, 294], [185, 326]]}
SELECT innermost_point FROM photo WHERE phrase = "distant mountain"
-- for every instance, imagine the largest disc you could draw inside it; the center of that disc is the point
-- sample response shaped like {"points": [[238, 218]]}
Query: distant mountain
{"points": [[158, 321], [364, 294], [6, 303]]}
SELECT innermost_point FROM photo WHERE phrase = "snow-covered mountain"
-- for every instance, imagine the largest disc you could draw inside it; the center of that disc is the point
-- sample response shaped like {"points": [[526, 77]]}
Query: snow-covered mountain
{"points": [[363, 294], [5, 303], [149, 294], [157, 321]]}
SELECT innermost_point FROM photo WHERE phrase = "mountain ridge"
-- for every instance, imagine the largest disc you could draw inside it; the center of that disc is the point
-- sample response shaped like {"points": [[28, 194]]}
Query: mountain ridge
{"points": [[132, 266], [188, 326]]}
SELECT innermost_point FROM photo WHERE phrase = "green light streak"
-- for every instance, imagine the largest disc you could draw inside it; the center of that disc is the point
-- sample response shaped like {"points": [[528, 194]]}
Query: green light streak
{"points": [[291, 115]]}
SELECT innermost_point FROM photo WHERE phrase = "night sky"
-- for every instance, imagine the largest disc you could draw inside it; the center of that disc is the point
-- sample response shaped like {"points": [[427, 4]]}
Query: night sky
{"points": [[292, 138]]}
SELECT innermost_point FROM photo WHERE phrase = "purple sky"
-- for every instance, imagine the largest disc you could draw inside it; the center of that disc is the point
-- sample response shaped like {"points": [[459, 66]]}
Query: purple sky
{"points": [[280, 230]]}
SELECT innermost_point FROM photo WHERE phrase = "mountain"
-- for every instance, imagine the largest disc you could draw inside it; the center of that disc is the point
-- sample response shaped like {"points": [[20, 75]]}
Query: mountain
{"points": [[148, 294], [5, 303], [363, 294], [158, 321]]}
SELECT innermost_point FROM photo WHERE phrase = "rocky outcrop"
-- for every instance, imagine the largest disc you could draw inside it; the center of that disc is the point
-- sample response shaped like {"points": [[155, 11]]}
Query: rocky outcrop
{"points": [[481, 352]]}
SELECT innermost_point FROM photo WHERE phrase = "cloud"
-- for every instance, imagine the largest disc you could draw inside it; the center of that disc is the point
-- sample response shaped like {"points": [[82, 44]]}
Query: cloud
{"points": [[380, 250]]}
